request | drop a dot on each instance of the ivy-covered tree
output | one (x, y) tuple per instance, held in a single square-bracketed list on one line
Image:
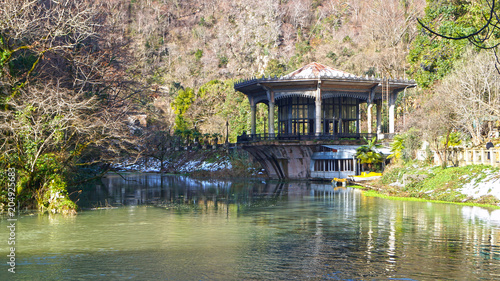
[(432, 57), (483, 30), (181, 104), (63, 97)]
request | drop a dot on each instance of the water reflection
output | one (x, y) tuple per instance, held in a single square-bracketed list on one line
[(317, 223), (254, 230), (140, 189)]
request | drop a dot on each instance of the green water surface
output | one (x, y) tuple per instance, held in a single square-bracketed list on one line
[(177, 228)]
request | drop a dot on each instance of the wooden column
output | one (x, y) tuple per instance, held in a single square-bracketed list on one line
[(371, 98), (358, 113)]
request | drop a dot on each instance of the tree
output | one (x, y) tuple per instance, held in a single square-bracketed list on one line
[(181, 104), (436, 119), (404, 146), (474, 90), (157, 145), (367, 153), (446, 28), (61, 103), (217, 102), (482, 32)]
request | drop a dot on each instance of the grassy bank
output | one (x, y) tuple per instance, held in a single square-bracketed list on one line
[(373, 193), (472, 185)]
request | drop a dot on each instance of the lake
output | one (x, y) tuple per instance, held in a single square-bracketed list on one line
[(179, 228)]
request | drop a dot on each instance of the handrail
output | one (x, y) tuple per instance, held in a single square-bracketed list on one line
[(482, 156), (245, 138)]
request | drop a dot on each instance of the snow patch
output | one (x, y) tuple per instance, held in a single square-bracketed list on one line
[(151, 165), (192, 166), (145, 165), (488, 186)]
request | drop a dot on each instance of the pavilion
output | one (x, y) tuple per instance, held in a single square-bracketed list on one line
[(317, 102)]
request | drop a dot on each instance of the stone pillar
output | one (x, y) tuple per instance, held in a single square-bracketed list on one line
[(379, 118), (369, 117), (467, 156), (392, 111), (318, 110), (252, 119), (270, 114), (271, 118)]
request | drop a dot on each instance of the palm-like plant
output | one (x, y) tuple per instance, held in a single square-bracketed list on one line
[(397, 147), (367, 153)]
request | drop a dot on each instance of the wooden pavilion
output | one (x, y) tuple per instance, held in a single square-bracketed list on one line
[(321, 102), (315, 102)]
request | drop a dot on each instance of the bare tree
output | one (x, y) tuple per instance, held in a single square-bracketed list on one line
[(435, 120), (64, 96), (474, 88)]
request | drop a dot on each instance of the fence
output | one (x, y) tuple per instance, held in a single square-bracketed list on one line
[(298, 137), (482, 156)]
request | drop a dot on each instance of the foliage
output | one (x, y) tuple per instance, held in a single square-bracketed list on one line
[(433, 57), (215, 104), (455, 139), (405, 145), (275, 68), (62, 106), (367, 153), (181, 104), (397, 147)]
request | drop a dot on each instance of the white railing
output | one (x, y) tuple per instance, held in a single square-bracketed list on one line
[(482, 156), (462, 157)]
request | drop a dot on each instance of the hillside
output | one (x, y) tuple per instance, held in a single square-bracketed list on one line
[(186, 45)]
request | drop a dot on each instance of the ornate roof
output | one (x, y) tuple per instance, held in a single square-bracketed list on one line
[(307, 79), (317, 70)]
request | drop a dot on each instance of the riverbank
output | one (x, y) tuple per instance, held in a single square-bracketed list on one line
[(220, 164), (470, 185)]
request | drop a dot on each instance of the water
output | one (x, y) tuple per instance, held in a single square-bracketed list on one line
[(215, 230)]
